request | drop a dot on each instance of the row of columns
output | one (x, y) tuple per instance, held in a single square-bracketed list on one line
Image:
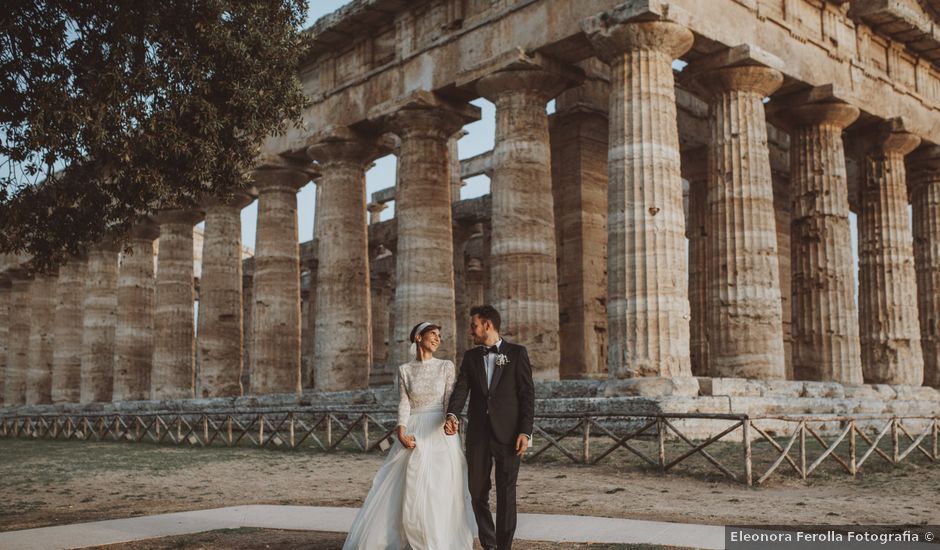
[(717, 312)]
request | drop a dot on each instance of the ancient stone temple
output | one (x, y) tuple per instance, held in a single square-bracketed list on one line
[(687, 200)]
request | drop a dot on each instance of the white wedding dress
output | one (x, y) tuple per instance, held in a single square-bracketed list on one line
[(419, 499)]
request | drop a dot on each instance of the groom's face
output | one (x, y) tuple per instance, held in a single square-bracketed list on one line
[(477, 330)]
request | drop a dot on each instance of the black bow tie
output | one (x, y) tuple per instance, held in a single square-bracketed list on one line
[(489, 350)]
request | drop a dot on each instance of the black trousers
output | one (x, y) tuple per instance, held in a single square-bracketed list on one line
[(482, 454)]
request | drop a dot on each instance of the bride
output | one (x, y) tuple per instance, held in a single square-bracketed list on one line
[(419, 499)]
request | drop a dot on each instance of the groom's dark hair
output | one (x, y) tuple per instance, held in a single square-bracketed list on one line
[(487, 312)]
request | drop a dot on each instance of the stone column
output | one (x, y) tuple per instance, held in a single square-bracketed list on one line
[(782, 216), (219, 345), (99, 321), (825, 319), (453, 153), (41, 340), (275, 316), (343, 346), (887, 298), (383, 295), (69, 314), (579, 144), (375, 211), (248, 270), (523, 257), (745, 314), (695, 171), (18, 356), (5, 291), (424, 255), (174, 346), (925, 199), (647, 302), (133, 346)]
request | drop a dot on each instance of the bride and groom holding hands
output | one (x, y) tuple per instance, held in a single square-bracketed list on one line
[(428, 495)]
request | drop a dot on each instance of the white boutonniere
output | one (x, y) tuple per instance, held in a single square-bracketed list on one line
[(501, 360)]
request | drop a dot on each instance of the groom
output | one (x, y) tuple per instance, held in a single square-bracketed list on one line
[(498, 378)]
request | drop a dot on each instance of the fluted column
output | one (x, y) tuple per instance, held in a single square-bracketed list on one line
[(424, 255), (275, 316), (523, 256), (99, 323), (220, 334), (888, 323), (174, 346), (343, 346), (18, 356), (744, 304), (825, 318), (375, 211), (133, 346), (383, 294), (695, 171), (925, 200), (41, 340), (6, 289), (647, 301), (69, 314), (579, 141), (453, 153)]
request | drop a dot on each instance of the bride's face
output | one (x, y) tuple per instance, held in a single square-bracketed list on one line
[(430, 340)]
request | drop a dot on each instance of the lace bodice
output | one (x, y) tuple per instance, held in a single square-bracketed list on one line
[(422, 384)]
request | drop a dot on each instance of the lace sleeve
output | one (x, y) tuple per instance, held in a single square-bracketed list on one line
[(450, 376), (404, 403)]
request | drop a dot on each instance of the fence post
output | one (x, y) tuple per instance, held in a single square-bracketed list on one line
[(748, 474), (661, 424), (586, 440), (291, 417), (802, 428), (365, 433), (260, 431), (329, 430), (894, 440), (853, 467), (935, 434)]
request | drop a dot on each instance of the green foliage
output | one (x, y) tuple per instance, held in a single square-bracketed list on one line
[(112, 109)]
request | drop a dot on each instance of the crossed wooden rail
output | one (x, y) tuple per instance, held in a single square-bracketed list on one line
[(598, 435)]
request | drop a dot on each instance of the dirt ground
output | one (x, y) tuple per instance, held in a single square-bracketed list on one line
[(264, 539), (56, 482)]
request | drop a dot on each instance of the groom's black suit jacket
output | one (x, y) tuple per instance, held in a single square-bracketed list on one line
[(505, 409)]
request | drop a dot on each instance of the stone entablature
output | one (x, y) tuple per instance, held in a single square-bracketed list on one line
[(409, 46)]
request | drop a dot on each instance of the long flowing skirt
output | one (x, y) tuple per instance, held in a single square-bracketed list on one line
[(419, 499)]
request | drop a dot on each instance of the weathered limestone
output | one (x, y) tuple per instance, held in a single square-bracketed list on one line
[(523, 256), (695, 171), (888, 324), (579, 185), (744, 307), (133, 345), (925, 202), (99, 323), (220, 334), (382, 287), (343, 345), (275, 315), (174, 346), (825, 321), (647, 301), (248, 303), (18, 357), (782, 207), (69, 328), (424, 266), (5, 291), (41, 340), (453, 154), (375, 211)]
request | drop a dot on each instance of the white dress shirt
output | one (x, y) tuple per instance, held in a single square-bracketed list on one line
[(489, 360)]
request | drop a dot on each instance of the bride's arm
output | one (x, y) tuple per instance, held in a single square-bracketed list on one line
[(449, 379), (404, 410)]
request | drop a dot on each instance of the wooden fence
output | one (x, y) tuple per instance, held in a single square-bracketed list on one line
[(803, 443)]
